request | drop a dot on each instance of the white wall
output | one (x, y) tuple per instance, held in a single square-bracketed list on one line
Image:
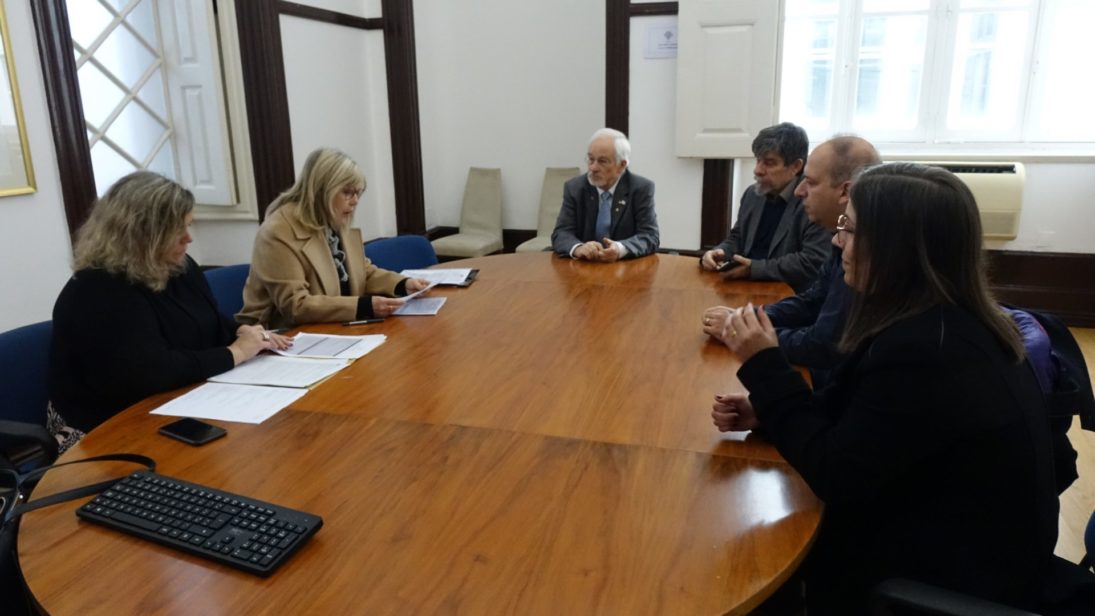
[(338, 97), (35, 255), (501, 86), (514, 85), (678, 181), (337, 90)]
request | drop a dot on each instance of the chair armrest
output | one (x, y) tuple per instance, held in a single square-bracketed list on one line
[(902, 597), (26, 445)]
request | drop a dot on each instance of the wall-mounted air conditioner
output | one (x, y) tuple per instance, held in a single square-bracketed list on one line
[(998, 188)]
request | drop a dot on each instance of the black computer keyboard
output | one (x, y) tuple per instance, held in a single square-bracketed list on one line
[(237, 531)]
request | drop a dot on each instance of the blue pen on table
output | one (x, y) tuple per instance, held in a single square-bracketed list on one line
[(364, 322)]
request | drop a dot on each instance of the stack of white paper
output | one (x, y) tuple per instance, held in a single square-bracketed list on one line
[(455, 276), (332, 346), (255, 390)]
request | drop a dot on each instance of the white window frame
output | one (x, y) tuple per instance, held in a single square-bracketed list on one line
[(206, 116), (931, 137), (246, 206)]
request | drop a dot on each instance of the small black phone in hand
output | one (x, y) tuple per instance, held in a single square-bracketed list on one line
[(192, 431)]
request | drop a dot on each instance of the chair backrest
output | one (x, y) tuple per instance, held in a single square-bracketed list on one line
[(551, 197), (227, 285), (24, 363), (482, 208), (401, 252), (1089, 543)]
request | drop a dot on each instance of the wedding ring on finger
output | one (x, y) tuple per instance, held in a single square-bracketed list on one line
[(265, 335)]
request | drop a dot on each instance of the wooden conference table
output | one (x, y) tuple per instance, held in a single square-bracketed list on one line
[(541, 446)]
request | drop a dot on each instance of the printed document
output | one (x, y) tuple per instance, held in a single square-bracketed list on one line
[(243, 403), (330, 346), (420, 306), (281, 371), (455, 276)]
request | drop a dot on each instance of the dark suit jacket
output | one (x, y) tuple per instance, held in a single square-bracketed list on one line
[(116, 342), (634, 223), (931, 450), (810, 324), (798, 247)]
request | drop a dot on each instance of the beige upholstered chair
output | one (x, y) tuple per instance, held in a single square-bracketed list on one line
[(480, 217), (551, 200)]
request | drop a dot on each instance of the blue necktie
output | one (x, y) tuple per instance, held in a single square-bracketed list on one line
[(604, 217)]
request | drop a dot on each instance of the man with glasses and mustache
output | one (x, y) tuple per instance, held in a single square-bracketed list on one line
[(809, 324), (608, 213), (772, 238)]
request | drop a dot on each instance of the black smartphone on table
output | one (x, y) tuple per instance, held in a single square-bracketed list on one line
[(192, 431)]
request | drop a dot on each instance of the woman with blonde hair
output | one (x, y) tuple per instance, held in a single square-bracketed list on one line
[(308, 264), (137, 317)]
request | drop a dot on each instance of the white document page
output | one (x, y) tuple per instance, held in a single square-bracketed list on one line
[(439, 276), (281, 371), (421, 291), (421, 306), (243, 403), (331, 346)]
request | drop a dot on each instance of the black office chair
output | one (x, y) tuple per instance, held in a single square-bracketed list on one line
[(401, 252), (25, 444), (1067, 589), (227, 286)]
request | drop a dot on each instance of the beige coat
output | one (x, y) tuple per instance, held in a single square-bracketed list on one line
[(293, 278)]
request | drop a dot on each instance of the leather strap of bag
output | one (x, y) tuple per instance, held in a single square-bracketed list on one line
[(20, 480)]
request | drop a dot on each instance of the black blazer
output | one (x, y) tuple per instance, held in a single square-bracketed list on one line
[(634, 223), (931, 451)]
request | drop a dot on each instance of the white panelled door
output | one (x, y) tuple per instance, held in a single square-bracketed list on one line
[(197, 101), (727, 74)]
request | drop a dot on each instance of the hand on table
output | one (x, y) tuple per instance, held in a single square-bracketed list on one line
[(740, 270), (747, 331), (714, 320), (608, 252), (253, 339), (733, 412), (385, 306), (712, 259)]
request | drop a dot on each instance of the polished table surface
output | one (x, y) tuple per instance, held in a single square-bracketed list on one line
[(541, 446)]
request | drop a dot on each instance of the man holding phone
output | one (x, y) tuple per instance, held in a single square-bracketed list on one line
[(772, 238)]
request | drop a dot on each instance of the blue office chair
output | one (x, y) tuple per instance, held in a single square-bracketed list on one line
[(24, 360), (24, 363), (227, 285), (401, 252)]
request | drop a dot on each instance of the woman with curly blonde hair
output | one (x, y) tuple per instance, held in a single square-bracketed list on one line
[(137, 317)]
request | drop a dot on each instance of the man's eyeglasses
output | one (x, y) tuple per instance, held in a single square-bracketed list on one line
[(842, 225), (350, 193), (602, 162)]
